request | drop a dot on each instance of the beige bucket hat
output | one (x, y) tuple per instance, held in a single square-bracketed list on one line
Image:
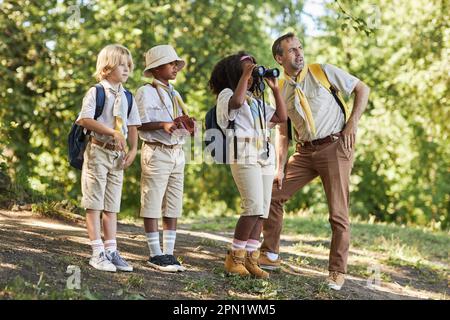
[(160, 55)]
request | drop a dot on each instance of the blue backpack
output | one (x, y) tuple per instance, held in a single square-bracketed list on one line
[(215, 138), (78, 138)]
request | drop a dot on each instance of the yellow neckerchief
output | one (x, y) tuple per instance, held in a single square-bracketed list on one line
[(301, 96), (175, 98), (117, 107)]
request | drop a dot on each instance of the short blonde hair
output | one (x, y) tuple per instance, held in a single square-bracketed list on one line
[(110, 57)]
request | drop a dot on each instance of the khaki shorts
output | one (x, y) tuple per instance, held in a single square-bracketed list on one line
[(254, 181), (101, 179), (162, 181)]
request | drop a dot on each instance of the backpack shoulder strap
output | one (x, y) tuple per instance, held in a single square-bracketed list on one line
[(319, 75), (99, 100), (129, 96), (317, 72)]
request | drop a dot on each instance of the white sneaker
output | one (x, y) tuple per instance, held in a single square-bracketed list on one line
[(102, 263), (118, 261)]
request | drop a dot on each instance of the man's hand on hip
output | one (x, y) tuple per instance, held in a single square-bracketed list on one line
[(349, 135)]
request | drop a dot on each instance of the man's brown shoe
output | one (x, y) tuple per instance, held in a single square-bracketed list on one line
[(267, 264), (336, 280)]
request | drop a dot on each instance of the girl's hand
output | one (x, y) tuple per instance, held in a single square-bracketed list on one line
[(247, 69), (272, 82)]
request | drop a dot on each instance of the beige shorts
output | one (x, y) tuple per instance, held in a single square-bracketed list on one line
[(162, 181), (101, 179), (254, 182)]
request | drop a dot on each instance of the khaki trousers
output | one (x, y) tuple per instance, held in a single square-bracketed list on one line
[(333, 164)]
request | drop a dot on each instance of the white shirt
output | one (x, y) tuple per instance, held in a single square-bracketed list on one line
[(152, 109), (243, 123), (243, 119), (328, 116), (107, 117)]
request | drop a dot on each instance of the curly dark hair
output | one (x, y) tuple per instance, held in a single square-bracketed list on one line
[(227, 72)]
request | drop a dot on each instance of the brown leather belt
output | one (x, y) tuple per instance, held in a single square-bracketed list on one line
[(108, 146), (331, 138), (159, 144), (250, 139)]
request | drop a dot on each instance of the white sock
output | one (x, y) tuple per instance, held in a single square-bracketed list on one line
[(169, 237), (238, 244), (110, 246), (153, 243), (97, 247), (272, 256), (252, 245)]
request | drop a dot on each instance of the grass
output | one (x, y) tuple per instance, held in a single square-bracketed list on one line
[(414, 257), (404, 243), (20, 289), (199, 286), (210, 243), (413, 253), (135, 281), (62, 210)]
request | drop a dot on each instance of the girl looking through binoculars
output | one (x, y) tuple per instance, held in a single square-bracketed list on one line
[(238, 82)]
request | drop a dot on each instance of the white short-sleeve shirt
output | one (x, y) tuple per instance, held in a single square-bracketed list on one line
[(328, 116), (152, 109), (243, 119), (244, 123), (107, 118)]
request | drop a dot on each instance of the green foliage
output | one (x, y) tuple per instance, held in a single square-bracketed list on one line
[(62, 210), (402, 166), (401, 174)]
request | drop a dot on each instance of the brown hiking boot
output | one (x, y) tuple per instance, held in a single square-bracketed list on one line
[(336, 280), (235, 262), (251, 263)]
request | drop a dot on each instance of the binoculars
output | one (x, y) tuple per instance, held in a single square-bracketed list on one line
[(260, 71)]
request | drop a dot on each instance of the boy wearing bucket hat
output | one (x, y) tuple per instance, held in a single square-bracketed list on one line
[(162, 156)]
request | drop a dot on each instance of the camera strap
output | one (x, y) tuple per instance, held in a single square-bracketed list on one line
[(266, 138)]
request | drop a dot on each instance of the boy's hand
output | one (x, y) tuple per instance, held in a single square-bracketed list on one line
[(120, 140), (129, 158), (169, 127)]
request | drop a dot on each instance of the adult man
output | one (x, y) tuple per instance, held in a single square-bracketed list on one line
[(325, 134)]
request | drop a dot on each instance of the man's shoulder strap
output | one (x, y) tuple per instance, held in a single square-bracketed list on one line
[(318, 73)]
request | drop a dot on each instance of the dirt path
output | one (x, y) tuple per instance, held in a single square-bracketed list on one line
[(32, 247)]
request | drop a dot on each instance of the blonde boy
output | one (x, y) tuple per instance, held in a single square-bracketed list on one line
[(107, 155), (162, 158)]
